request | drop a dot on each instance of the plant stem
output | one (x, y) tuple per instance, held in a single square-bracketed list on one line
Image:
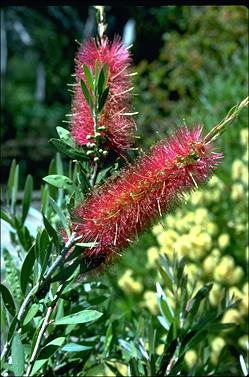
[(94, 174), (231, 115), (44, 327), (23, 309)]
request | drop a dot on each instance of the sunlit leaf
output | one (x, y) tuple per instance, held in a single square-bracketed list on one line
[(83, 316)]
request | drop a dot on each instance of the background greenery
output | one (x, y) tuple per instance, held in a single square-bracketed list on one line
[(192, 69)]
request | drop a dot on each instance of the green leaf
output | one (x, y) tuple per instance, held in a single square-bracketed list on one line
[(83, 316), (96, 74), (51, 231), (102, 79), (89, 76), (31, 314), (87, 244), (17, 354), (68, 150), (163, 304), (102, 99), (44, 198), (43, 246), (11, 179), (49, 349), (28, 189), (60, 214), (59, 164), (5, 216), (74, 347), (87, 95), (65, 136), (26, 269), (14, 188), (60, 181), (8, 299), (165, 273), (12, 327), (67, 272), (46, 352), (195, 302), (102, 174), (37, 365), (47, 254)]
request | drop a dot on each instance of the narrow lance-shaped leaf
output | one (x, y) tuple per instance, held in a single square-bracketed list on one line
[(83, 316), (11, 180), (26, 269), (51, 231), (14, 190), (17, 354), (87, 95), (67, 150), (102, 79), (31, 313), (8, 299), (28, 188), (103, 99), (60, 214), (89, 76), (60, 181), (59, 165), (65, 135)]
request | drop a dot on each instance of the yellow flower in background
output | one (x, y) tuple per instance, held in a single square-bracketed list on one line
[(237, 169), (223, 240), (182, 245), (190, 217), (192, 270), (216, 346), (237, 192), (244, 342), (224, 269), (216, 294), (159, 349), (234, 291), (157, 229), (212, 228), (215, 253), (215, 181), (128, 284), (209, 265), (203, 240), (244, 137), (236, 275), (196, 198), (244, 305), (245, 288), (201, 216), (170, 221), (232, 316), (190, 358), (153, 256), (150, 301)]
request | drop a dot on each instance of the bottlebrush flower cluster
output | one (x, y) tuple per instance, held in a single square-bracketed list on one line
[(115, 213), (116, 116)]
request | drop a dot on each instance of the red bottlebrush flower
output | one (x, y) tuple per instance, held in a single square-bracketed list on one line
[(128, 204), (119, 124)]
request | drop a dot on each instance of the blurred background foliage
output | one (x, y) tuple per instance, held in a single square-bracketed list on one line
[(192, 65)]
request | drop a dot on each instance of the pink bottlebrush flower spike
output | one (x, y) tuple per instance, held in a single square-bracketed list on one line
[(117, 115), (115, 213)]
